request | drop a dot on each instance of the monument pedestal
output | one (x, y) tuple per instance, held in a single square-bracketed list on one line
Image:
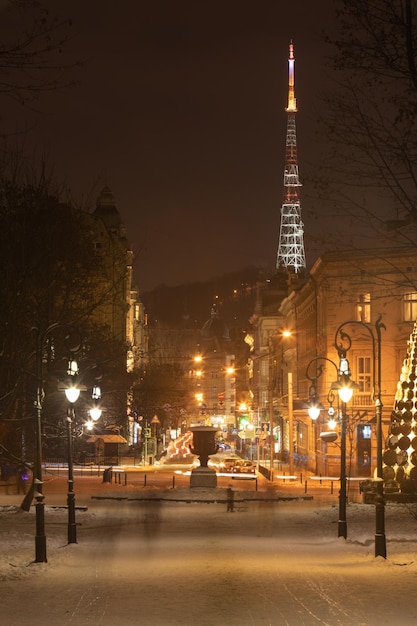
[(203, 445), (203, 477)]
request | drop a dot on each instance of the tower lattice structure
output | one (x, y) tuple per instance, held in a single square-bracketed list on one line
[(291, 256)]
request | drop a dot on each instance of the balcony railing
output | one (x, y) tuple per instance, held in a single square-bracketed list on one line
[(362, 399)]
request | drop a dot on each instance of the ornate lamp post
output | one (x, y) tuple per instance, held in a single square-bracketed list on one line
[(72, 393), (313, 404), (42, 339), (344, 387), (40, 538), (380, 539)]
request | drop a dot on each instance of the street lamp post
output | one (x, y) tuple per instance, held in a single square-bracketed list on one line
[(72, 393), (314, 405), (154, 425), (380, 539), (282, 335), (344, 387), (40, 537), (342, 523), (42, 339)]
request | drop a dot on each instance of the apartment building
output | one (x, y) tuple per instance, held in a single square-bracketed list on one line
[(339, 302)]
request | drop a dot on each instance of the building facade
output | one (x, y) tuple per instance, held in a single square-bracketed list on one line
[(120, 309), (348, 292)]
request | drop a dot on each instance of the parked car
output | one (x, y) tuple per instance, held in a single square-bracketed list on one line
[(228, 463), (244, 467)]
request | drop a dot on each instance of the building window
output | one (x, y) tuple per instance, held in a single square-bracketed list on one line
[(364, 374), (363, 308), (264, 368), (410, 307)]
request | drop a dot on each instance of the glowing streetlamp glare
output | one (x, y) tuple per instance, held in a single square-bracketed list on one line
[(332, 424), (345, 393), (72, 394), (314, 412), (95, 413)]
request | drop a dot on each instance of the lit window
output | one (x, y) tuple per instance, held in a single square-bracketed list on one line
[(410, 307), (364, 374), (363, 308)]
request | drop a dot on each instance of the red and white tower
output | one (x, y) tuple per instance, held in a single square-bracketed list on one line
[(291, 257)]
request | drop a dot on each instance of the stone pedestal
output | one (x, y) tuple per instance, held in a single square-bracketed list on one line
[(203, 446), (203, 477)]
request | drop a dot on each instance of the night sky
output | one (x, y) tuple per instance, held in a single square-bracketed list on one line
[(180, 110)]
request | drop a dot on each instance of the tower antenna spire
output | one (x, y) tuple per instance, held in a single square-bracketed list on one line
[(291, 256)]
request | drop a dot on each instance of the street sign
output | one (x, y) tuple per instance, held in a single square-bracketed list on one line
[(147, 432)]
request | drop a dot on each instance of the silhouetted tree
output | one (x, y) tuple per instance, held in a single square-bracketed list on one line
[(32, 42), (369, 121), (51, 275)]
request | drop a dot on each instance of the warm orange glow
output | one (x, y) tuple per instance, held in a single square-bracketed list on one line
[(230, 370), (286, 333), (198, 358)]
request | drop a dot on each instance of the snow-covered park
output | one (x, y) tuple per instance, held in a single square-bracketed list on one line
[(164, 562)]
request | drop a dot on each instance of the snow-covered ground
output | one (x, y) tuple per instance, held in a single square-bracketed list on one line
[(168, 563)]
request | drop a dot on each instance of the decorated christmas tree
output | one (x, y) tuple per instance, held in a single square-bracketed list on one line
[(400, 455)]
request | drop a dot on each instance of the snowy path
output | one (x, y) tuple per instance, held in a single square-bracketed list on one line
[(163, 564)]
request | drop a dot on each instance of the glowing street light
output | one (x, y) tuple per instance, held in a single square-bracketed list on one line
[(380, 539), (95, 411), (72, 393), (344, 387), (43, 339)]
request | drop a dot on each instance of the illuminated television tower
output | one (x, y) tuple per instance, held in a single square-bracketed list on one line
[(291, 257)]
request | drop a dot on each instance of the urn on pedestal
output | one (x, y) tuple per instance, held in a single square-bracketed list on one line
[(203, 446)]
